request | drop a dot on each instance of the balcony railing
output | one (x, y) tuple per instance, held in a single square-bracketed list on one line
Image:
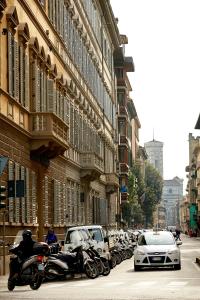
[(112, 183), (91, 165), (123, 140), (123, 168), (49, 135), (123, 111)]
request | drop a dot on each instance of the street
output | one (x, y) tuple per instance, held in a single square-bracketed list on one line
[(124, 283)]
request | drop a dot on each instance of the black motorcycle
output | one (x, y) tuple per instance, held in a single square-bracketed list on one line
[(101, 262), (59, 265), (31, 270)]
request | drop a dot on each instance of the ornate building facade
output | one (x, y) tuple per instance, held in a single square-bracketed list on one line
[(58, 114)]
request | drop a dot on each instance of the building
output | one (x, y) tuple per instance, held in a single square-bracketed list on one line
[(154, 151), (126, 113), (172, 197), (193, 184), (58, 114)]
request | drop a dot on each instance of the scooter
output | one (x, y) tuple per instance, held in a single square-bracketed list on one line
[(31, 269), (59, 265), (102, 263)]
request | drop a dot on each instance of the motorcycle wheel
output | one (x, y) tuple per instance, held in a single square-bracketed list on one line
[(48, 275), (129, 253), (91, 270), (106, 268), (113, 260), (118, 258), (37, 281), (11, 285)]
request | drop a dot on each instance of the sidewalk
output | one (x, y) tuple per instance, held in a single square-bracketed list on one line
[(3, 282)]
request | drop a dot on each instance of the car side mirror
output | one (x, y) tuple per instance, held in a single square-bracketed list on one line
[(178, 243)]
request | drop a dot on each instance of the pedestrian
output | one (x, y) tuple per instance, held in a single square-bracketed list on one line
[(51, 237), (178, 232)]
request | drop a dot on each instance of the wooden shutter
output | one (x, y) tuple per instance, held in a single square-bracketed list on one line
[(28, 204), (33, 196), (22, 199), (46, 203), (16, 71), (17, 200), (21, 74), (11, 199), (27, 87), (10, 63), (51, 96), (55, 202)]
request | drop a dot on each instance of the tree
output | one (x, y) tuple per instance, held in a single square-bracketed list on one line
[(132, 211), (153, 192)]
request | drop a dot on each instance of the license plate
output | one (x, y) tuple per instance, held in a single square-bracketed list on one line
[(156, 258), (40, 267)]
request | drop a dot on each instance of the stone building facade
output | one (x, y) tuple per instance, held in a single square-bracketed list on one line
[(58, 114)]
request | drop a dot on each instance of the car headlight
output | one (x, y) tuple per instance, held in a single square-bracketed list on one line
[(173, 252), (99, 250), (140, 252)]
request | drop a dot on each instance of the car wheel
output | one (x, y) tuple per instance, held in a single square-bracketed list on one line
[(177, 267), (137, 268)]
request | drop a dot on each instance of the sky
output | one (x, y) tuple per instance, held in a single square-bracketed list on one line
[(164, 41)]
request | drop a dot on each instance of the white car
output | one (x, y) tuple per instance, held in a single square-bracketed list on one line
[(157, 249)]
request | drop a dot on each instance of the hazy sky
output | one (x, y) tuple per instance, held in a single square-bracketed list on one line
[(164, 41)]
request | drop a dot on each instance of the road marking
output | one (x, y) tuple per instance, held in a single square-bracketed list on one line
[(111, 284), (144, 284), (55, 285), (177, 283)]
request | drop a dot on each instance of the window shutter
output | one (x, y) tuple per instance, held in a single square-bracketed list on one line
[(28, 204), (55, 202), (22, 199), (10, 64), (57, 102), (45, 92), (34, 85), (64, 204), (11, 199), (41, 86), (17, 200), (33, 196), (16, 71), (50, 95), (38, 89), (27, 95), (21, 74), (46, 204)]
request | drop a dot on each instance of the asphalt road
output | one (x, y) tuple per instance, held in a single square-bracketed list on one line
[(124, 283)]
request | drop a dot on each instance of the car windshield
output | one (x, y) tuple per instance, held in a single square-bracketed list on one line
[(156, 239), (96, 234)]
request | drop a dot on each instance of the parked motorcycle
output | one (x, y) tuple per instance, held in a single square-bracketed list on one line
[(102, 263), (59, 265), (31, 269)]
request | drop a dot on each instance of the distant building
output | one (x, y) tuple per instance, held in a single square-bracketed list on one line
[(172, 196), (154, 151)]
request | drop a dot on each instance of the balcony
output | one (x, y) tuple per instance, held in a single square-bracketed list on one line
[(48, 136), (123, 140), (112, 183), (91, 166), (123, 169), (123, 112), (124, 197)]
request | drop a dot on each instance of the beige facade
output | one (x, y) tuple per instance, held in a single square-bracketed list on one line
[(58, 114)]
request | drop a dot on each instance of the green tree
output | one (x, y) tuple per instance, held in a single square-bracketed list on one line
[(153, 192), (132, 211)]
